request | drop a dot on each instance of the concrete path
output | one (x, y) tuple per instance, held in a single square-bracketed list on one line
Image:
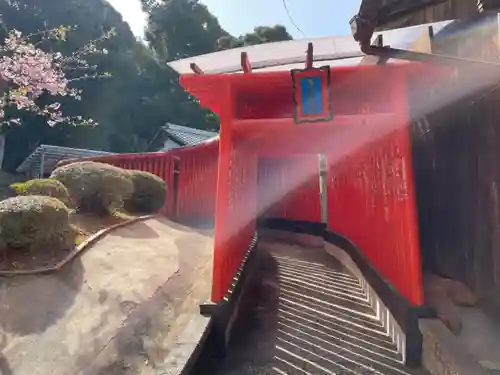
[(312, 318), (114, 310)]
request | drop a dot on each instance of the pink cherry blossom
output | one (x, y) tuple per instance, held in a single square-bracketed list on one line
[(28, 72)]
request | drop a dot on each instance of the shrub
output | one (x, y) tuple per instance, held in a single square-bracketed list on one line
[(149, 193), (96, 188), (47, 187), (35, 223)]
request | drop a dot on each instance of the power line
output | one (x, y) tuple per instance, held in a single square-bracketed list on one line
[(285, 5)]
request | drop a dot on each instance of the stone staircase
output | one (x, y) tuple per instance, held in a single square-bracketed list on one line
[(312, 317)]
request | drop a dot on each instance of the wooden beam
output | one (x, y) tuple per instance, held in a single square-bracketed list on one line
[(395, 10), (423, 43), (309, 55), (374, 60), (195, 68), (245, 63)]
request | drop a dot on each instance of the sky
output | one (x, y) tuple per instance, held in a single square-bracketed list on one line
[(314, 18), (132, 13)]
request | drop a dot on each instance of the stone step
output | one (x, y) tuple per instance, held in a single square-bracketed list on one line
[(360, 320), (339, 332), (312, 317), (330, 349)]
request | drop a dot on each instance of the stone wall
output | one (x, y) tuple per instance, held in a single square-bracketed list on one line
[(442, 353)]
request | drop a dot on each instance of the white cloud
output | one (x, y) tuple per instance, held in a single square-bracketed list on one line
[(132, 14)]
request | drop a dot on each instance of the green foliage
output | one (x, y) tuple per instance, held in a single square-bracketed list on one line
[(130, 106), (149, 193), (96, 188), (182, 28), (35, 223), (260, 35), (143, 92), (45, 186)]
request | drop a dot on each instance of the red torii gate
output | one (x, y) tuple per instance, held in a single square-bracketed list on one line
[(358, 117)]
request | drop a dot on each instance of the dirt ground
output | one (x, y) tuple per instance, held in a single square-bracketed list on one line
[(116, 310)]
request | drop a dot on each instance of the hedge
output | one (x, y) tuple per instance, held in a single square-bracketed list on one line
[(95, 187), (149, 195), (46, 186), (35, 223)]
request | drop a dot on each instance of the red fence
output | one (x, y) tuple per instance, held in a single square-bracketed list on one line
[(190, 174)]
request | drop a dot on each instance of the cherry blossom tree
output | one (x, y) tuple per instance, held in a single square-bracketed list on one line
[(27, 72)]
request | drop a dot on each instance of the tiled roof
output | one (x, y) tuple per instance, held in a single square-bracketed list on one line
[(53, 155), (188, 136)]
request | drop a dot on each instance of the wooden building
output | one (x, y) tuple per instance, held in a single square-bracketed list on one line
[(416, 12)]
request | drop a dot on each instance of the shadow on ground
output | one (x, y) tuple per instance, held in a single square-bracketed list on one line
[(128, 346), (4, 366), (114, 311), (31, 304), (144, 338), (138, 230), (203, 227)]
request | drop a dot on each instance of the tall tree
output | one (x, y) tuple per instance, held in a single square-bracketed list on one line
[(130, 106), (33, 74), (181, 28), (260, 35), (143, 92), (184, 28)]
